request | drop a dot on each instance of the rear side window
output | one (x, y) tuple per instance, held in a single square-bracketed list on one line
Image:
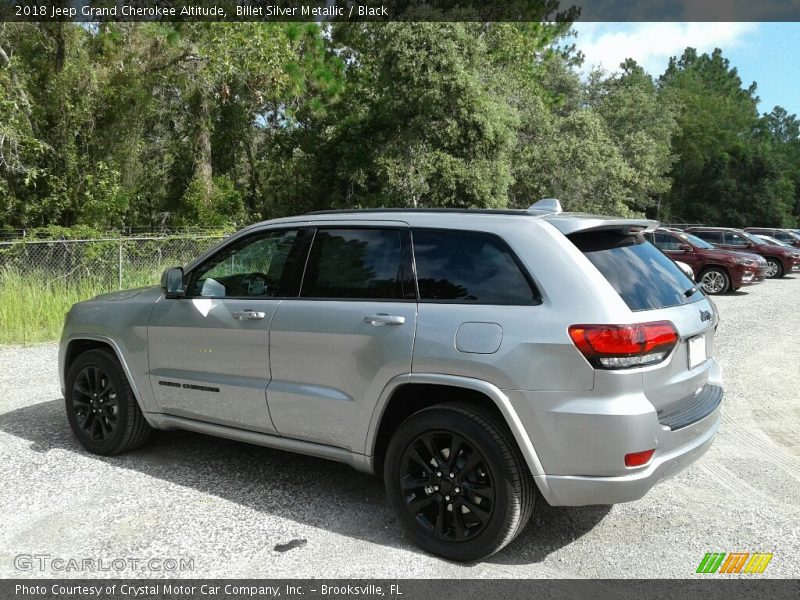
[(357, 264), (469, 267), (643, 276)]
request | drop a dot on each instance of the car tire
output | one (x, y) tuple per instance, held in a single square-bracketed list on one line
[(466, 508), (101, 407), (774, 268), (715, 281)]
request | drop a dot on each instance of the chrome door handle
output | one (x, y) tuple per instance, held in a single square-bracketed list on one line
[(383, 319), (249, 315)]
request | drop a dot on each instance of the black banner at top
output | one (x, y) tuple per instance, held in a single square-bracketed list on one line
[(399, 10)]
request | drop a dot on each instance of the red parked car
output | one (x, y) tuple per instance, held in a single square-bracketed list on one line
[(782, 235), (716, 270), (780, 260)]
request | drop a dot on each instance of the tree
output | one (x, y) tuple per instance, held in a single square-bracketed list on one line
[(724, 173)]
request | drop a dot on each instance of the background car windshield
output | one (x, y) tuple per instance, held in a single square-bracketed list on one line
[(754, 238), (643, 276), (695, 241), (773, 241)]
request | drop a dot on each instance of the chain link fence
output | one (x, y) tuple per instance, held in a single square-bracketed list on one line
[(100, 264)]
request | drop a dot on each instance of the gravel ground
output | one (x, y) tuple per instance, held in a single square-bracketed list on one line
[(245, 511)]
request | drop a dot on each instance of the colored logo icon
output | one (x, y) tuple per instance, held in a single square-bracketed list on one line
[(734, 562)]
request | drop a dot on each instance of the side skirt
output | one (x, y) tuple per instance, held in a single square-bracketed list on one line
[(359, 462)]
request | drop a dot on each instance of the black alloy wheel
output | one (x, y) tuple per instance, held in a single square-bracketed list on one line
[(457, 480), (94, 400), (447, 486), (101, 407)]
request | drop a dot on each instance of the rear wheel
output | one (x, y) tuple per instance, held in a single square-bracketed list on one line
[(715, 281), (101, 408), (774, 268), (457, 482)]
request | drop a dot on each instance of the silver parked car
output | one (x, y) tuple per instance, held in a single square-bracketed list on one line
[(471, 357)]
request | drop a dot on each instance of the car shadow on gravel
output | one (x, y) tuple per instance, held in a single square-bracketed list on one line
[(304, 489)]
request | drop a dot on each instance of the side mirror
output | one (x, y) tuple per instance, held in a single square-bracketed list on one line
[(685, 247), (172, 282)]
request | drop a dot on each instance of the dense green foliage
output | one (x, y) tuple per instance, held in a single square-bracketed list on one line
[(148, 124)]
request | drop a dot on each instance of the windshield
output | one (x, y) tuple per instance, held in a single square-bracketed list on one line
[(773, 241), (754, 238), (695, 241)]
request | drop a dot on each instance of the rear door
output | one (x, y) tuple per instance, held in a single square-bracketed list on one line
[(333, 349)]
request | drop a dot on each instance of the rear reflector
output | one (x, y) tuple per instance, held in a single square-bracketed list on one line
[(638, 459), (624, 346)]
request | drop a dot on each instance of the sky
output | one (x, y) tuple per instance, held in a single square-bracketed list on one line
[(766, 53)]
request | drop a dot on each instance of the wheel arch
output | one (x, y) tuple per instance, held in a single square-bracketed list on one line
[(407, 394), (781, 264), (720, 266), (79, 344)]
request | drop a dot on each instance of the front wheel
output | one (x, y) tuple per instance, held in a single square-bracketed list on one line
[(457, 482), (715, 281), (101, 408), (774, 268)]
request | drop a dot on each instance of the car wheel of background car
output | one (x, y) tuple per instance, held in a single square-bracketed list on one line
[(715, 281), (457, 482), (101, 408), (774, 268)]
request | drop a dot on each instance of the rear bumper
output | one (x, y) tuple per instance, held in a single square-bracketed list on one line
[(569, 490), (581, 439)]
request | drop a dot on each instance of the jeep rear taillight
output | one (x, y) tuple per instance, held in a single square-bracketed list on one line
[(625, 346)]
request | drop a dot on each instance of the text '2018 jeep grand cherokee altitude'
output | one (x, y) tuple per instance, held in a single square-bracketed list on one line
[(468, 356)]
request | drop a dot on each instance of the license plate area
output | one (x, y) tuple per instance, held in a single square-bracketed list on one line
[(696, 350)]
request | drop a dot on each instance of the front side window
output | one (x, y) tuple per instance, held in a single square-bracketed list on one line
[(734, 239), (358, 264), (665, 241), (255, 267), (469, 267)]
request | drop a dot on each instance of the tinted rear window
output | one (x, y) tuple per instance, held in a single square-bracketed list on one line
[(641, 274), (467, 266)]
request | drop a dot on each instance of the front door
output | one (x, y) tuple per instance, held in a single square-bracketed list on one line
[(209, 351), (333, 349)]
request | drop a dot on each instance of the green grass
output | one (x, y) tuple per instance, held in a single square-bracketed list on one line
[(33, 305)]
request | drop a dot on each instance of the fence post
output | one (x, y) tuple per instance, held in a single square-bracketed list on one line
[(119, 287)]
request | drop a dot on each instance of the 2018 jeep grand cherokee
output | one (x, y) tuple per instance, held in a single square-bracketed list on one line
[(468, 356)]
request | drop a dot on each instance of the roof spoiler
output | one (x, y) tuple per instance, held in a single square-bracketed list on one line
[(546, 206)]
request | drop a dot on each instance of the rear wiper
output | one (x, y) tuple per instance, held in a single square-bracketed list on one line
[(690, 291)]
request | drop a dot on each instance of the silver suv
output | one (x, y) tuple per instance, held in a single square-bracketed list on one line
[(470, 357)]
